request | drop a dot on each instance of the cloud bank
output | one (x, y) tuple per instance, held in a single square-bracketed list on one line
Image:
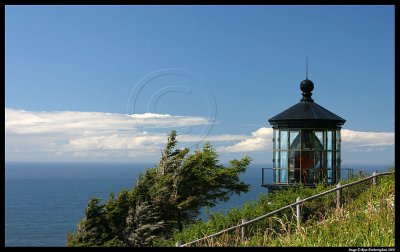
[(261, 140), (72, 134), (38, 134)]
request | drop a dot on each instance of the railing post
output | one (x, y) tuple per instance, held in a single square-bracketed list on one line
[(374, 182), (298, 213), (339, 196), (178, 243), (243, 229)]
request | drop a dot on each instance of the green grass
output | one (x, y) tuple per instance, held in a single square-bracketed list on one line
[(366, 219)]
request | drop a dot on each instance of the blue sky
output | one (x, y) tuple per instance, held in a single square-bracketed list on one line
[(215, 73)]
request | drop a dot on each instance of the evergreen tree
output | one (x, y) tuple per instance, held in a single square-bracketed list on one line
[(116, 211), (165, 198), (92, 230), (183, 183), (142, 225)]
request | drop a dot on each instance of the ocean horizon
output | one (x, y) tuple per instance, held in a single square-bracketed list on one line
[(44, 201)]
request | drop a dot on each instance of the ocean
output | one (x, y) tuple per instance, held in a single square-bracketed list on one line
[(45, 201)]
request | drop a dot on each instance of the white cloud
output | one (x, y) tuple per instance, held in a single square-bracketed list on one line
[(366, 141), (259, 140), (29, 122)]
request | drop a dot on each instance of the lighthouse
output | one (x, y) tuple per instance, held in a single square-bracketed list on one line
[(306, 143)]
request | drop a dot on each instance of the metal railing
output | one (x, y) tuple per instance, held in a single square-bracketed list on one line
[(298, 202)]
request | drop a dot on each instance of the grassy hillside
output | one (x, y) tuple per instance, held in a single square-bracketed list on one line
[(366, 219)]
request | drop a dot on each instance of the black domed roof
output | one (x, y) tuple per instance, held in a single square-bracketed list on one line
[(306, 113)]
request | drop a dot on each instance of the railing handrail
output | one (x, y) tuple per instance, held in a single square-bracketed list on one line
[(288, 206)]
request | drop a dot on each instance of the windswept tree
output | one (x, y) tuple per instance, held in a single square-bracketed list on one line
[(184, 183), (120, 222), (92, 230), (142, 225), (167, 197)]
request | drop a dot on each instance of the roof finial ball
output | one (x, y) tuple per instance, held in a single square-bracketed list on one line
[(307, 86)]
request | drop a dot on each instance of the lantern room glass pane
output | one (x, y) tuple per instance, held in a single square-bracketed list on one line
[(276, 175), (329, 166), (284, 140), (284, 164), (307, 139), (329, 140), (284, 159), (294, 166), (337, 165), (276, 159), (276, 138), (338, 139), (320, 136), (306, 163), (318, 168), (338, 172), (329, 159), (292, 136), (292, 159), (317, 159)]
